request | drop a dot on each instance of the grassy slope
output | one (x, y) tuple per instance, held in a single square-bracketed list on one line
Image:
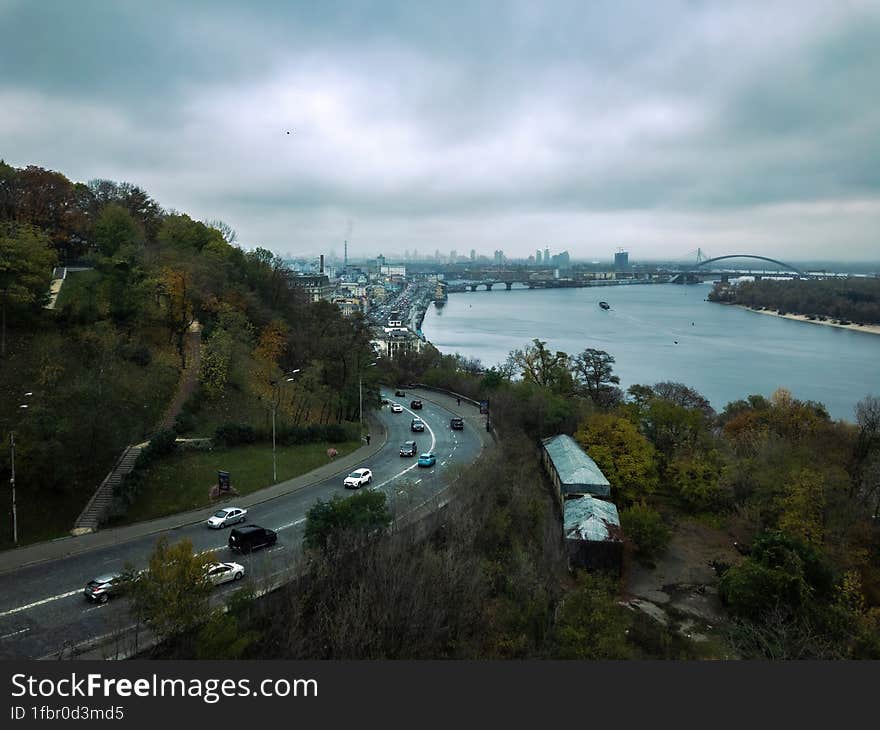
[(182, 482)]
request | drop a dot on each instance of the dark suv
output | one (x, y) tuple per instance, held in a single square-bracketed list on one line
[(416, 405), (417, 424), (399, 394), (409, 448), (251, 537), (456, 424)]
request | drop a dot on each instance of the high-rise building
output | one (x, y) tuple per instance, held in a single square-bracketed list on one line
[(547, 255), (473, 255), (453, 256), (621, 260), (538, 256)]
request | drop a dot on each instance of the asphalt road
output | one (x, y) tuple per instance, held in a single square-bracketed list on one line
[(43, 612)]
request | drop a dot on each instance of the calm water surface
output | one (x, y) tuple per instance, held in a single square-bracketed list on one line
[(724, 352)]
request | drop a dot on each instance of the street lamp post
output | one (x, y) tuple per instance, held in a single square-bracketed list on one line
[(361, 395), (12, 483), (276, 397), (12, 478)]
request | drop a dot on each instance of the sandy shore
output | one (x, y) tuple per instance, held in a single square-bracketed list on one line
[(873, 329)]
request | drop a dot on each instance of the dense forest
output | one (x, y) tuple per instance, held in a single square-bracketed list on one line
[(98, 371), (854, 299)]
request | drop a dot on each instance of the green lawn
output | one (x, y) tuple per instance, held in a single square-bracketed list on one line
[(78, 289), (182, 481)]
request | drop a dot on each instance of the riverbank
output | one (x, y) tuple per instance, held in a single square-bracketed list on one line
[(873, 329)]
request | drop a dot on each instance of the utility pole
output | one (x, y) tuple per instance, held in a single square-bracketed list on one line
[(276, 396), (12, 483)]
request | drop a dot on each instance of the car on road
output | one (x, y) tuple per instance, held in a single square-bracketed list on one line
[(417, 424), (399, 394), (396, 408), (251, 537), (427, 459), (218, 573), (105, 587), (409, 448), (357, 479), (226, 517), (456, 424), (416, 405)]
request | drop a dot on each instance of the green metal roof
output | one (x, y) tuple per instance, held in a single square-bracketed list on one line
[(577, 471), (588, 518)]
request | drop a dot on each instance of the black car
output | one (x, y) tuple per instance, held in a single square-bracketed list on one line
[(409, 448), (251, 537), (456, 424), (105, 587), (416, 405), (417, 424), (399, 394)]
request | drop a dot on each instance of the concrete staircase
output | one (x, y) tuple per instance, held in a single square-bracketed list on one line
[(90, 518)]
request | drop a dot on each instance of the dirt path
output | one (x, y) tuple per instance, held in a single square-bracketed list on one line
[(684, 583), (188, 378)]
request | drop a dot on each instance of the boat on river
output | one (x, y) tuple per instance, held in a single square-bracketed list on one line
[(605, 305)]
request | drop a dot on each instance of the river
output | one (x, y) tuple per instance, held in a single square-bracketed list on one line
[(724, 352)]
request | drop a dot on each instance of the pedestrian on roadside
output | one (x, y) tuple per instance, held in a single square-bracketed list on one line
[(458, 401), (368, 439)]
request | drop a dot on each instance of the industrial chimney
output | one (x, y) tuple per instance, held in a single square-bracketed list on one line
[(322, 263)]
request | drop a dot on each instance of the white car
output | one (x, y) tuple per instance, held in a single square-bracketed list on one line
[(396, 408), (358, 478), (218, 573), (226, 517)]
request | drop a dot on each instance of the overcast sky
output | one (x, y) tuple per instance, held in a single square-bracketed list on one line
[(656, 126)]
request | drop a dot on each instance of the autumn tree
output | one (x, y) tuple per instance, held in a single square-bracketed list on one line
[(172, 594), (26, 263), (176, 290), (625, 456)]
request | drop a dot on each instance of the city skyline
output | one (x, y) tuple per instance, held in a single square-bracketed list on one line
[(658, 128)]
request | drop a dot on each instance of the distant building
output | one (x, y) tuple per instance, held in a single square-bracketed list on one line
[(395, 320), (315, 286), (350, 305), (473, 255), (499, 258), (621, 260), (547, 255), (538, 256), (391, 342)]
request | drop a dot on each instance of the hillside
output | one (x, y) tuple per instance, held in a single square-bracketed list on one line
[(103, 364)]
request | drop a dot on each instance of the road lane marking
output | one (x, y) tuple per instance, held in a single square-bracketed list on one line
[(67, 594), (40, 603), (291, 524), (410, 468), (94, 608), (14, 633)]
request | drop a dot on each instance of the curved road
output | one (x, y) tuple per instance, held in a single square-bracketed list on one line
[(43, 613)]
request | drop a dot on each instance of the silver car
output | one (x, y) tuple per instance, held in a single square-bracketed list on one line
[(218, 573), (226, 517)]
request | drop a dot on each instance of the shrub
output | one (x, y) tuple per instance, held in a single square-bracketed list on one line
[(233, 434), (647, 530)]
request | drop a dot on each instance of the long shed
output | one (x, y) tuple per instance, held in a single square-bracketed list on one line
[(593, 536), (572, 470)]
